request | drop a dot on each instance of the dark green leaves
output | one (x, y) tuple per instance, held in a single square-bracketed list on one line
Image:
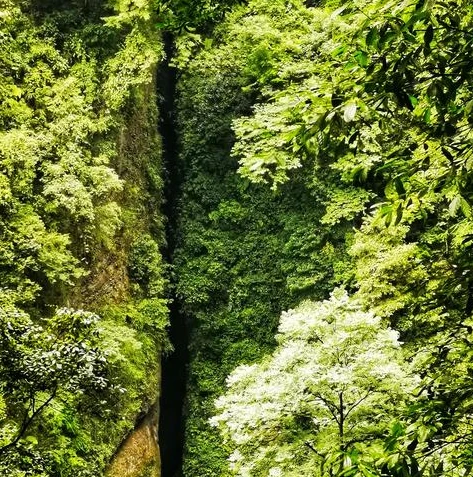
[(428, 37), (372, 38), (176, 15)]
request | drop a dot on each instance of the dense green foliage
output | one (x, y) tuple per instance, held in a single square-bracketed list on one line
[(245, 252), (326, 145), (80, 190), (180, 15), (323, 147)]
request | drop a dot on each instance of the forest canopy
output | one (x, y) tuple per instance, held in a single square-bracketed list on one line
[(350, 125), (81, 331)]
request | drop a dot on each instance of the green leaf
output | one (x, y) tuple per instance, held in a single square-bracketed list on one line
[(372, 37), (414, 101), (339, 50), (469, 107), (454, 205), (387, 38), (31, 440), (429, 35), (427, 115), (361, 58), (349, 112), (338, 11), (465, 207), (399, 212), (398, 184), (16, 91)]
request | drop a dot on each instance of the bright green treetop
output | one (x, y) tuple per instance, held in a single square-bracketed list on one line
[(330, 388)]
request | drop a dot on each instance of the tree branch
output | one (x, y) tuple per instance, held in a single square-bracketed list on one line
[(27, 420), (330, 406), (313, 449), (357, 403)]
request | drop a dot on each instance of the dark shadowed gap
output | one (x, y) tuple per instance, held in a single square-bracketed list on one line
[(174, 375)]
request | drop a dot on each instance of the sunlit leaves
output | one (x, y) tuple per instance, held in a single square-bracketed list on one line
[(271, 158), (71, 78), (345, 204), (349, 112), (332, 382), (40, 364)]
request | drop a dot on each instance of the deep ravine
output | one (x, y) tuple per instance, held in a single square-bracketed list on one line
[(174, 375)]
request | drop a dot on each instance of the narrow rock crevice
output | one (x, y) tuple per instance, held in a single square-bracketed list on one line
[(174, 375)]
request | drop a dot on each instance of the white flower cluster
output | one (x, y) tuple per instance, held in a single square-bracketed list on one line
[(335, 363)]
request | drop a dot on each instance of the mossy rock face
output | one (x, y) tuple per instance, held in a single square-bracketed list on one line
[(151, 470), (139, 455)]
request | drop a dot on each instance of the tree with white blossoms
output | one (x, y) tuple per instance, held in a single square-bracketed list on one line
[(328, 393)]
